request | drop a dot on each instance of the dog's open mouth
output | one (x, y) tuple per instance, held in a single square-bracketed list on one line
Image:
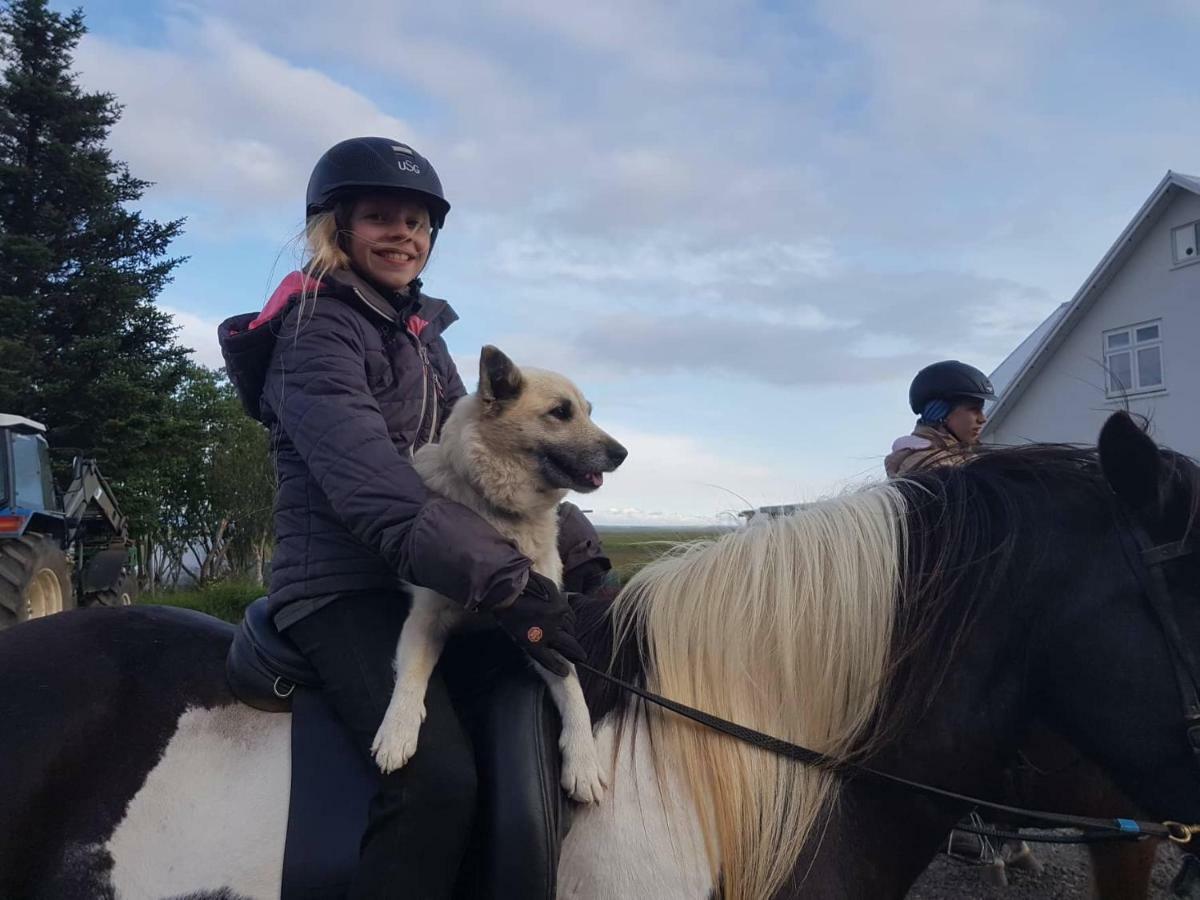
[(564, 472)]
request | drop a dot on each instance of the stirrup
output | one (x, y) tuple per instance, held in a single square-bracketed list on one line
[(969, 847)]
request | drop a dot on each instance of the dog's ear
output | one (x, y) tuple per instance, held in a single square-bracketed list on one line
[(499, 378)]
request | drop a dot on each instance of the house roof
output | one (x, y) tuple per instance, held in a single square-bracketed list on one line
[(1024, 363), (1003, 375)]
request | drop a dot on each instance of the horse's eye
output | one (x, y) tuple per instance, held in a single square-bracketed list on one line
[(563, 411)]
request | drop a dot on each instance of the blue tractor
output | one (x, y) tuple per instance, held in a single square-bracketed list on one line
[(58, 550)]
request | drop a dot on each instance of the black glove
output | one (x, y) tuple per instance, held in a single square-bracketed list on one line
[(543, 625)]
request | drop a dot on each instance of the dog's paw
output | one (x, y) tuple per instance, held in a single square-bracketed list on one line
[(396, 740), (582, 774)]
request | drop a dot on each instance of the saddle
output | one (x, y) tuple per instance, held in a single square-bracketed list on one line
[(520, 821)]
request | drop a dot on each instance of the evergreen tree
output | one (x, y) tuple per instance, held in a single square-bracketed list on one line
[(82, 346)]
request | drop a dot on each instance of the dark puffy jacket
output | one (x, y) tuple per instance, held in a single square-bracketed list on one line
[(352, 385), (584, 563)]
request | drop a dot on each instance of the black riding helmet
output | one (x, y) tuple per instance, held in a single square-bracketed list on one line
[(375, 163), (948, 380)]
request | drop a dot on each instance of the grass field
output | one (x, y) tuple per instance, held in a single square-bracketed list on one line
[(631, 548), (628, 548), (223, 599)]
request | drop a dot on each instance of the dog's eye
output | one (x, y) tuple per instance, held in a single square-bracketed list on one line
[(562, 412)]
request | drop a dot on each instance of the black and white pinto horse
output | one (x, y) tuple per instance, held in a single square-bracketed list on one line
[(921, 627)]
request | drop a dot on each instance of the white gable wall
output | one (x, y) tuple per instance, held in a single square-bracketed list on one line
[(1066, 399)]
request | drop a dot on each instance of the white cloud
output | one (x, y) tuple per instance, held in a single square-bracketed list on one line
[(239, 125), (872, 344), (677, 261), (854, 327), (220, 124), (198, 334), (945, 72), (654, 40), (687, 195), (675, 478)]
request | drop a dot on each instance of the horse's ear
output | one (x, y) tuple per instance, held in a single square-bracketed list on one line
[(1131, 462), (499, 378)]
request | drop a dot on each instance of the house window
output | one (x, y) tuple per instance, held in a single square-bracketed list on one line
[(1185, 242), (1133, 359)]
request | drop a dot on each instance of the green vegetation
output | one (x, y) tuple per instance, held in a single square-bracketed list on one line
[(83, 347), (628, 548), (631, 548), (224, 599)]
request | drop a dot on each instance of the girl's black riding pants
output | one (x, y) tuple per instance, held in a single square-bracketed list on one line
[(420, 819)]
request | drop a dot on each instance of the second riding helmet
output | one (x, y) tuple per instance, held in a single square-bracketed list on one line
[(948, 380), (375, 163)]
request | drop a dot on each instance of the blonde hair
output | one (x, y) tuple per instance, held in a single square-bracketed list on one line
[(323, 250), (784, 626)]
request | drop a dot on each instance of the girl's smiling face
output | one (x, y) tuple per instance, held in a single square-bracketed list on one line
[(389, 239)]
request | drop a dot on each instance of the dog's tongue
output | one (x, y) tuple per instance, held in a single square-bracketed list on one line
[(596, 478)]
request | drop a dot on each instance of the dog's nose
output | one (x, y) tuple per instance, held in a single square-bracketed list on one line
[(616, 453)]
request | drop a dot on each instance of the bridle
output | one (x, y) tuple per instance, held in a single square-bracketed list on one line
[(1146, 560), (1139, 548)]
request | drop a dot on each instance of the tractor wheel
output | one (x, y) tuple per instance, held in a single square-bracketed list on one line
[(35, 580), (124, 594)]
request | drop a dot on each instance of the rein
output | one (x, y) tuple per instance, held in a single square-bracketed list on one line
[(1093, 830)]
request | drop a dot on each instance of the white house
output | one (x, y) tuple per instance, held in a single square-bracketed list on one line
[(1130, 338)]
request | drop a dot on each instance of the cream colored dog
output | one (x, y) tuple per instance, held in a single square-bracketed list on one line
[(511, 452)]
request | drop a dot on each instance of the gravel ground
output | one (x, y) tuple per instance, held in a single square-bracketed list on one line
[(1066, 876)]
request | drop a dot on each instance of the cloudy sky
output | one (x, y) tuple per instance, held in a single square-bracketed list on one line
[(740, 226)]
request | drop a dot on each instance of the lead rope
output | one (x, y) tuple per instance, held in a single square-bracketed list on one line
[(1094, 830)]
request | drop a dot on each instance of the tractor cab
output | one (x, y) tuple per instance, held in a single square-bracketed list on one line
[(57, 551), (26, 485)]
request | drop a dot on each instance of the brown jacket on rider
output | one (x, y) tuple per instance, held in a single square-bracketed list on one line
[(926, 447)]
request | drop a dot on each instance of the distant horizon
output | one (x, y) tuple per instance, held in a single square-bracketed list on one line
[(671, 528)]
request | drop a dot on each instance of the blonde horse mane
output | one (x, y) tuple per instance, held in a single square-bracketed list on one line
[(784, 626)]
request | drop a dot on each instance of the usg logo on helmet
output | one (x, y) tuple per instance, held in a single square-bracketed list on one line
[(406, 165)]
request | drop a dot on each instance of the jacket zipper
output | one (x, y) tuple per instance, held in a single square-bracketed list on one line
[(427, 371)]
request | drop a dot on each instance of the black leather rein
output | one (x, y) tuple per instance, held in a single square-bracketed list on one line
[(1154, 586)]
